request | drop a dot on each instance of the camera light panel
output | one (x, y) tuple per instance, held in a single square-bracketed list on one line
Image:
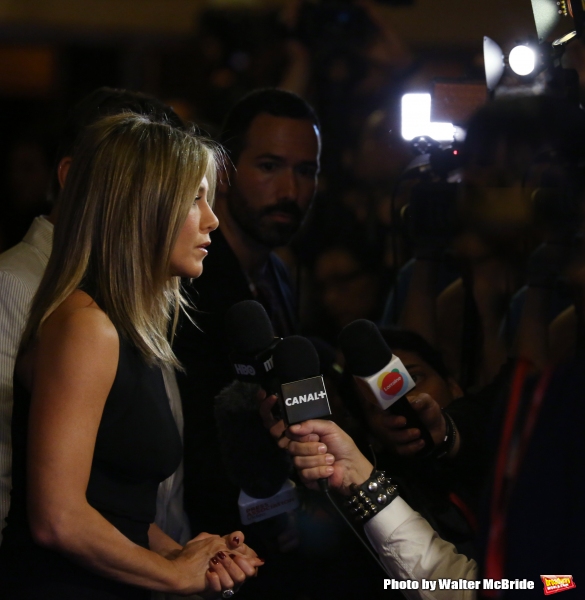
[(416, 120)]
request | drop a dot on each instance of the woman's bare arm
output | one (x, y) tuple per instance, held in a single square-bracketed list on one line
[(73, 369)]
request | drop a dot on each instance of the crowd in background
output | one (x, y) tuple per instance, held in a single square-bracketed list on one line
[(349, 65), (354, 81)]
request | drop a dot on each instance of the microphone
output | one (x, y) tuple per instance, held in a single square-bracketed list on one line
[(253, 461), (303, 395), (252, 339), (370, 360)]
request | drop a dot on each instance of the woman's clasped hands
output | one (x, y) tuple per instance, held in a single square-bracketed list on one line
[(209, 564)]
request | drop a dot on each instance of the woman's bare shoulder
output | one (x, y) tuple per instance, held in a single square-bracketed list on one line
[(79, 313), (77, 336), (80, 328)]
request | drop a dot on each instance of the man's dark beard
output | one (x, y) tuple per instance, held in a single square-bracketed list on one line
[(290, 208), (260, 227)]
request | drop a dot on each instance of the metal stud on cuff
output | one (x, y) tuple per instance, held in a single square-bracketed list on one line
[(371, 497)]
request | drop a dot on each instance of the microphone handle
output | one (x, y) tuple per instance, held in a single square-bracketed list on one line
[(403, 408)]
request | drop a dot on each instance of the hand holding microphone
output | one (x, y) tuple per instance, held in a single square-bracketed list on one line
[(334, 459), (408, 441), (383, 380), (334, 456)]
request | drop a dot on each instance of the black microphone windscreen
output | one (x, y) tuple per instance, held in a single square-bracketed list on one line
[(364, 348), (248, 327), (253, 461), (295, 358)]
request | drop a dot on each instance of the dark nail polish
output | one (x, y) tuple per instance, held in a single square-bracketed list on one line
[(260, 559), (236, 539), (232, 556), (221, 555), (214, 560)]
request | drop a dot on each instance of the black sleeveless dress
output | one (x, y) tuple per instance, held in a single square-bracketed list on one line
[(137, 446)]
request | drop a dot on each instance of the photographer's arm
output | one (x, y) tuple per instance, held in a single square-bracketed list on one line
[(407, 545)]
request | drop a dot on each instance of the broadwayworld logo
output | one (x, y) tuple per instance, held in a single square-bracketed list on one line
[(553, 584)]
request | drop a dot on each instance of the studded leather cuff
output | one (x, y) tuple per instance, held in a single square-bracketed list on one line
[(369, 498)]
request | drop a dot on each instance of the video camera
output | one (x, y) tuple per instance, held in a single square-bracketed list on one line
[(433, 123)]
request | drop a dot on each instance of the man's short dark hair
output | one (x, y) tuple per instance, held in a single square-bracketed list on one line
[(270, 101), (103, 102)]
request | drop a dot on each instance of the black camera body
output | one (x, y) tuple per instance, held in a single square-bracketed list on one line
[(432, 213)]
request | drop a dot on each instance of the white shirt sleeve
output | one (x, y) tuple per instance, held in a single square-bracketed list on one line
[(410, 549), (14, 304)]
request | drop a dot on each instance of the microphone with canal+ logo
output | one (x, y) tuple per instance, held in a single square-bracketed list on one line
[(251, 336), (303, 394), (370, 360)]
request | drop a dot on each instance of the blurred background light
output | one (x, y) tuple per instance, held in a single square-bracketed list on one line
[(416, 120), (522, 60), (493, 58)]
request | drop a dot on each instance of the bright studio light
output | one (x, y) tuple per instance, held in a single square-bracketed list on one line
[(522, 60), (416, 120), (493, 59)]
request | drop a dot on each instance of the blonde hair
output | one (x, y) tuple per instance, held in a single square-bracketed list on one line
[(129, 189)]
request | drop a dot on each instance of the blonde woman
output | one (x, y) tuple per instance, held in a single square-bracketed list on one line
[(93, 434)]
